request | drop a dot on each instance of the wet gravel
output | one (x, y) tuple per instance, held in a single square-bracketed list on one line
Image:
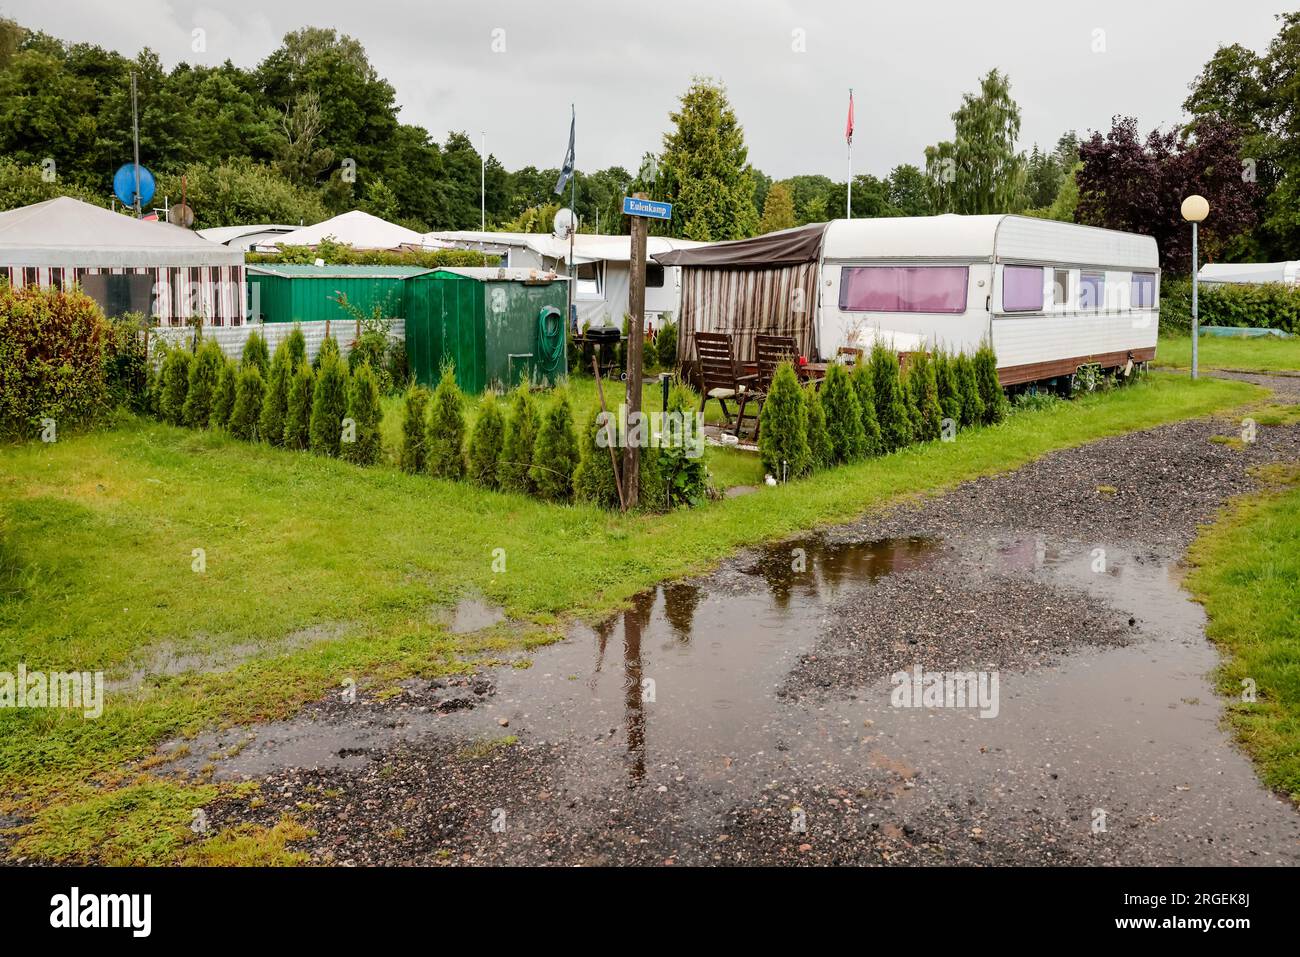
[(976, 592)]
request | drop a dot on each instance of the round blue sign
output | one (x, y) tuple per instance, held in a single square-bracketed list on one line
[(124, 184)]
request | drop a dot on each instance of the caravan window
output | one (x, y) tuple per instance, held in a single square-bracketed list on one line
[(587, 281), (1060, 287), (1144, 290), (1092, 291), (1022, 288), (903, 288), (654, 276)]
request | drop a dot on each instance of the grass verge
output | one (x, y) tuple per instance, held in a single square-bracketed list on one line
[(1264, 354), (1247, 575)]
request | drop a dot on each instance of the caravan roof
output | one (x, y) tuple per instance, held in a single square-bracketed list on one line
[(1285, 272), (1008, 238), (1004, 237)]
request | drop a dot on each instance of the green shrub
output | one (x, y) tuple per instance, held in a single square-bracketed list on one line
[(329, 404), (372, 349), (783, 427), (986, 377), (1257, 305), (223, 397), (399, 365), (520, 440), (175, 384), (891, 406), (555, 455), (821, 453), (594, 480), (297, 413), (249, 392), (945, 374), (843, 415), (865, 389), (923, 398), (295, 344), (364, 411), (485, 443), (445, 439), (328, 347), (972, 406), (666, 346), (51, 360), (415, 408), (675, 474), (126, 366), (204, 378), (276, 404), (255, 353)]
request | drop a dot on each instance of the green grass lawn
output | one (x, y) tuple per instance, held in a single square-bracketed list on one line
[(1264, 354), (1247, 574), (334, 571)]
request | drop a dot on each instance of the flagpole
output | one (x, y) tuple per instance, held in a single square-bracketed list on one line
[(848, 200), (573, 209)]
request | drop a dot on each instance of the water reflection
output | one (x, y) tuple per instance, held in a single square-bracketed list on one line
[(747, 636)]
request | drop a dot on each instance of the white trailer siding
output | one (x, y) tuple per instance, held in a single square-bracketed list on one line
[(1091, 309)]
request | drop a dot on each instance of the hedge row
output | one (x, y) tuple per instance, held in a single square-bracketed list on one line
[(874, 408), (281, 400), (533, 447), (1258, 305)]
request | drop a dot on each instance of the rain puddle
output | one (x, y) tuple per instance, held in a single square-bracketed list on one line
[(681, 692)]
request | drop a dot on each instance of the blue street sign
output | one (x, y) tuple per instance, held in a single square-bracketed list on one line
[(649, 208)]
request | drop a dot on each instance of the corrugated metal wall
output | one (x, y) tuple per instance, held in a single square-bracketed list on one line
[(312, 299), (743, 302), (488, 329)]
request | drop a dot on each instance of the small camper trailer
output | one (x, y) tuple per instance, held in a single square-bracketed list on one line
[(1050, 296)]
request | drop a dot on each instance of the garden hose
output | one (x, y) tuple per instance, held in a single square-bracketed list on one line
[(550, 343)]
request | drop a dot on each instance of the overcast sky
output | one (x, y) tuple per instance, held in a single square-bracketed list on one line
[(624, 65)]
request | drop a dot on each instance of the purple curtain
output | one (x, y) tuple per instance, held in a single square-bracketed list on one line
[(1022, 288), (904, 288)]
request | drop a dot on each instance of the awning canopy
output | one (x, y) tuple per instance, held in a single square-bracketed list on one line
[(67, 232), (786, 247)]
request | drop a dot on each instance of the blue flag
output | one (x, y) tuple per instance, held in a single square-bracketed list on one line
[(567, 171)]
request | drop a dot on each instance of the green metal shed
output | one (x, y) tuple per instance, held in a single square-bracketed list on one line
[(292, 293), (495, 324)]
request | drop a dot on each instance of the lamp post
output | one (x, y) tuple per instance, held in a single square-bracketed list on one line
[(1195, 209)]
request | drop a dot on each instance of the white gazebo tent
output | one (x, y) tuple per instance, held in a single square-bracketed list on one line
[(358, 229), (126, 264)]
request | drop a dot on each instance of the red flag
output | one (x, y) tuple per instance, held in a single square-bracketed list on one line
[(848, 127)]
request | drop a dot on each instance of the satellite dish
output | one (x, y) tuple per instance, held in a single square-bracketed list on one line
[(180, 215), (564, 223), (124, 184)]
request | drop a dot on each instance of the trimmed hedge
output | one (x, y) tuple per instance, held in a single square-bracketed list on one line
[(555, 455), (485, 443), (446, 434), (1257, 305), (51, 360), (415, 411), (783, 427), (297, 414)]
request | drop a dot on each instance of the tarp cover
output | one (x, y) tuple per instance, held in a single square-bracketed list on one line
[(787, 247), (67, 232)]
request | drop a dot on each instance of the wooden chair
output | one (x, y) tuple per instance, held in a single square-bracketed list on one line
[(769, 352), (719, 376)]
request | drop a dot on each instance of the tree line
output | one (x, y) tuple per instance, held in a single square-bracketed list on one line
[(313, 130)]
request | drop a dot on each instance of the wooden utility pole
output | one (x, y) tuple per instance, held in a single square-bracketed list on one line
[(635, 344)]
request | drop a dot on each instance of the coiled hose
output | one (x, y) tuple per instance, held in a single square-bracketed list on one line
[(550, 343)]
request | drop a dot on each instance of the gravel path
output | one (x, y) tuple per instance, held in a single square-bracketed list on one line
[(747, 717)]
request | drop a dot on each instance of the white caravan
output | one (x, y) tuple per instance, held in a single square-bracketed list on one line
[(1051, 296)]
